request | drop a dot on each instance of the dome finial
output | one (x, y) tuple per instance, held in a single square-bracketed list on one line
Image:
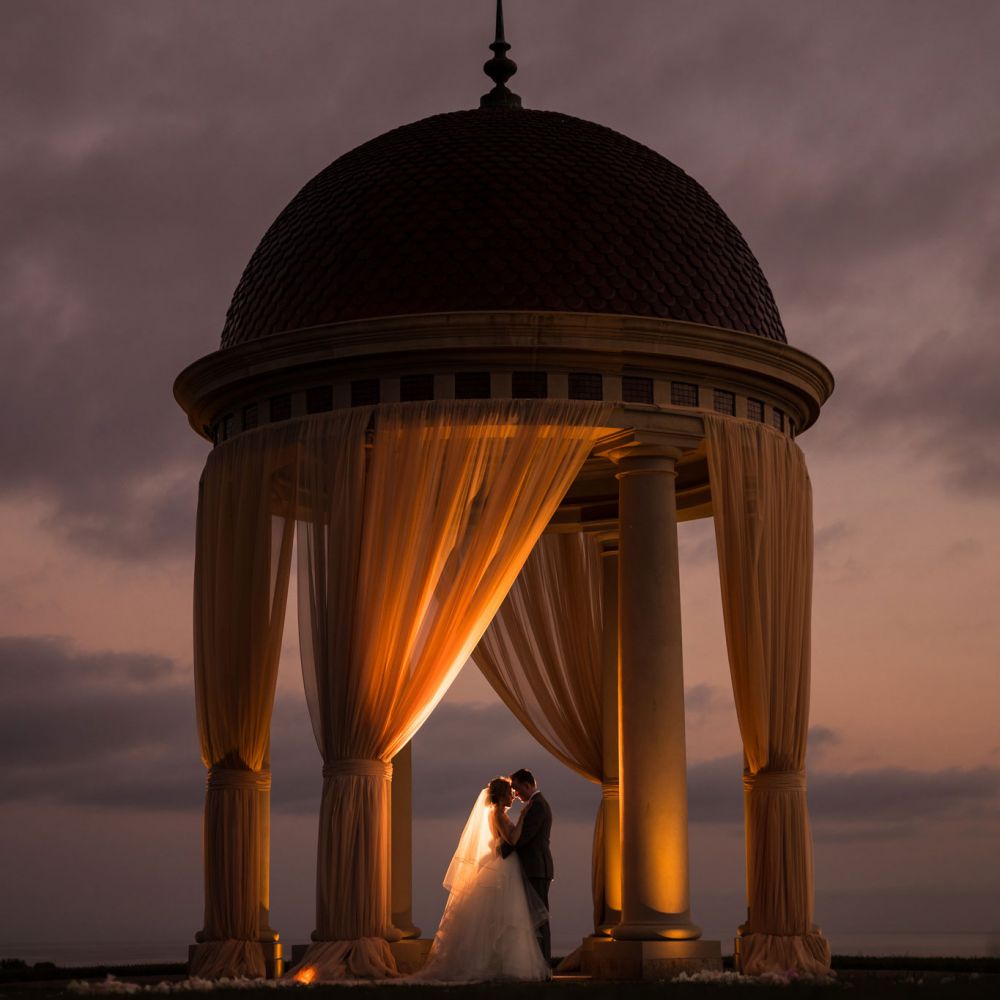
[(500, 69)]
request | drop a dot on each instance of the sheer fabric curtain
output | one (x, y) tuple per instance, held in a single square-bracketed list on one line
[(762, 505), (244, 544), (542, 656), (404, 560)]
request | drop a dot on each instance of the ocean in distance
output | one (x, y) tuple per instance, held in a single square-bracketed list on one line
[(82, 953)]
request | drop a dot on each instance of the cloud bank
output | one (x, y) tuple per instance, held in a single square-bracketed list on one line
[(117, 730)]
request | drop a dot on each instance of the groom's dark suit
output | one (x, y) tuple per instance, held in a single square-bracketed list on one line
[(533, 851)]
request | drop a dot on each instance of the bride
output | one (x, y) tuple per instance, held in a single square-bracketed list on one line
[(487, 930)]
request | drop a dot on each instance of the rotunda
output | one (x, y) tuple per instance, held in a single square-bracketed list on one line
[(471, 337)]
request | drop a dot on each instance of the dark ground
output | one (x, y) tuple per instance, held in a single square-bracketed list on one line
[(857, 978), (961, 987)]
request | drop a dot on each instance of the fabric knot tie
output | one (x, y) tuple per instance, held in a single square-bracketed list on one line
[(775, 781), (224, 778), (609, 789), (358, 768)]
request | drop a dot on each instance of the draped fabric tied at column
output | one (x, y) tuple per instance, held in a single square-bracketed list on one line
[(542, 656), (242, 565), (404, 558), (762, 505)]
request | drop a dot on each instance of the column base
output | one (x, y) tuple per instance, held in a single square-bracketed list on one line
[(274, 960), (610, 922), (403, 922), (607, 959), (668, 927), (410, 955)]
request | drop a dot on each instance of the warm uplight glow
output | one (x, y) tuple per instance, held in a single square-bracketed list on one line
[(305, 976)]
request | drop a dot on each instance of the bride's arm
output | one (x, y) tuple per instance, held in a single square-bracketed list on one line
[(508, 831)]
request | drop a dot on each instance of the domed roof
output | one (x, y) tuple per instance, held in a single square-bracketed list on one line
[(501, 209)]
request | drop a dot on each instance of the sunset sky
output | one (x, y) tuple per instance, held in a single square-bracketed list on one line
[(145, 147)]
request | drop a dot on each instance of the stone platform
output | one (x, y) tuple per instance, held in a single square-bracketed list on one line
[(606, 959)]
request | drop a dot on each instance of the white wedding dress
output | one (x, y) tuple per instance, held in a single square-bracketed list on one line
[(488, 927)]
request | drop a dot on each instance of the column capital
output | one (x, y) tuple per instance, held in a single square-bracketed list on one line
[(651, 450)]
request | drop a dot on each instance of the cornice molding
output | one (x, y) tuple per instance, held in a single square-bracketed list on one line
[(453, 341)]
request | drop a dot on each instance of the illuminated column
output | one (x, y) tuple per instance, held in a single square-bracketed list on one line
[(609, 714), (402, 843), (652, 756)]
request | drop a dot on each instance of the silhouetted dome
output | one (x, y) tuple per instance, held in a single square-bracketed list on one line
[(501, 209)]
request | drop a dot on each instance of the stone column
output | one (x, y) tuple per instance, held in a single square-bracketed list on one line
[(652, 754), (401, 834), (609, 736)]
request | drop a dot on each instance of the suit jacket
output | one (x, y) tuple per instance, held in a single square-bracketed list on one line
[(532, 846)]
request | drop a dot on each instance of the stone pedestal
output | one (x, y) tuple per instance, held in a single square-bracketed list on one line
[(607, 959), (411, 954)]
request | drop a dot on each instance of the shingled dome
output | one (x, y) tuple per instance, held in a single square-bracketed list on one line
[(501, 209)]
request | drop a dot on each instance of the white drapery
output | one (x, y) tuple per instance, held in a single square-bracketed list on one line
[(762, 506), (542, 656), (242, 564), (405, 557)]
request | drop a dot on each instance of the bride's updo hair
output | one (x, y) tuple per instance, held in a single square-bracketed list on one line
[(497, 789)]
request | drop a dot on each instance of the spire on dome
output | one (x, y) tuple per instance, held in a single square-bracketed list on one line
[(500, 69)]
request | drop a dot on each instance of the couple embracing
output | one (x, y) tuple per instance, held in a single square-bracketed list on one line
[(495, 924)]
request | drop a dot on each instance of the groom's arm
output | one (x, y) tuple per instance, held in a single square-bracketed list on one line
[(531, 826)]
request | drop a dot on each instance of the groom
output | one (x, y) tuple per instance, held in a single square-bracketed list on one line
[(533, 845)]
